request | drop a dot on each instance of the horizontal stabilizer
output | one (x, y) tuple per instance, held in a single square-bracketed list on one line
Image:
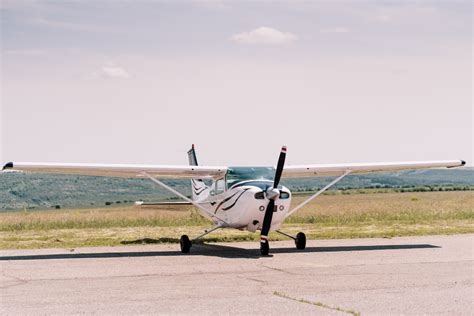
[(141, 203)]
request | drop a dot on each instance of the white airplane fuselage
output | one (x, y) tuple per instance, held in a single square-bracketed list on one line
[(243, 205)]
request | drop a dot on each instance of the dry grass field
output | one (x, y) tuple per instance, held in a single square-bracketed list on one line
[(329, 216)]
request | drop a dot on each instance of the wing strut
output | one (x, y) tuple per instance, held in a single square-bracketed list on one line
[(167, 187), (318, 193)]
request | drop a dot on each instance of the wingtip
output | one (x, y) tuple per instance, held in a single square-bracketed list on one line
[(8, 165)]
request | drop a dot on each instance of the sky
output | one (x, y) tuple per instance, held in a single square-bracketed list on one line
[(139, 82)]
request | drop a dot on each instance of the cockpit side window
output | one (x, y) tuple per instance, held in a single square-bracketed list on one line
[(218, 186)]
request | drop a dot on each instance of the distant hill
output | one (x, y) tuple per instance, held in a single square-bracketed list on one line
[(427, 177), (40, 191)]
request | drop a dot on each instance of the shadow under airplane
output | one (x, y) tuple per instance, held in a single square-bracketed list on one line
[(210, 250)]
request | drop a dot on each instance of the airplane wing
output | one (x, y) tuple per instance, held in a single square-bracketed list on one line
[(121, 170), (189, 172), (301, 171)]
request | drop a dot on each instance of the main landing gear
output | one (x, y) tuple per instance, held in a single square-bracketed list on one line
[(186, 243), (300, 239)]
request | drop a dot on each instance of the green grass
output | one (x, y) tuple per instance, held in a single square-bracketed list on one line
[(327, 217), (72, 238)]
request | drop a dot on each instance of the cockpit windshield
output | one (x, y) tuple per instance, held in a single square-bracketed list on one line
[(238, 174)]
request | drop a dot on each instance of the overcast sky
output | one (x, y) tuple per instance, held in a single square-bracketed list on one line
[(139, 82)]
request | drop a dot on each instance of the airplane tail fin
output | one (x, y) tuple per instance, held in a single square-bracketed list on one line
[(192, 156), (198, 187)]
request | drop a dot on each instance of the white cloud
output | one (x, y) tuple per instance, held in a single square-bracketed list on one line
[(114, 72), (27, 52), (335, 30), (264, 35), (212, 4), (67, 25)]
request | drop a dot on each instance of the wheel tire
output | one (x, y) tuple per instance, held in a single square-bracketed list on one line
[(264, 248), (185, 244), (300, 241)]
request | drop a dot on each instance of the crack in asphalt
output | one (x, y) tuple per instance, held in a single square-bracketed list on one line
[(19, 280), (319, 304), (279, 270), (263, 282)]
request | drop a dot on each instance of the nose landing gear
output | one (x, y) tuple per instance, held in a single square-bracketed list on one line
[(264, 247)]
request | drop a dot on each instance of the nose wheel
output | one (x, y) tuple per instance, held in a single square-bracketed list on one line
[(185, 244), (264, 248)]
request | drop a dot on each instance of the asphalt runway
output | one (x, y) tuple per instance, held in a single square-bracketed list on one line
[(409, 275)]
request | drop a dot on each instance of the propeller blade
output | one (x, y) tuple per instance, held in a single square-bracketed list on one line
[(267, 221), (280, 165)]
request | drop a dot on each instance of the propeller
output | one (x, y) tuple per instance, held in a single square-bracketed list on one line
[(272, 194)]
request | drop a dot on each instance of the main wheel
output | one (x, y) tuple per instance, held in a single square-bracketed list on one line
[(185, 243), (300, 241), (264, 248)]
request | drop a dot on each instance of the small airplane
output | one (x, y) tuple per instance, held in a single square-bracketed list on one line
[(244, 198)]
